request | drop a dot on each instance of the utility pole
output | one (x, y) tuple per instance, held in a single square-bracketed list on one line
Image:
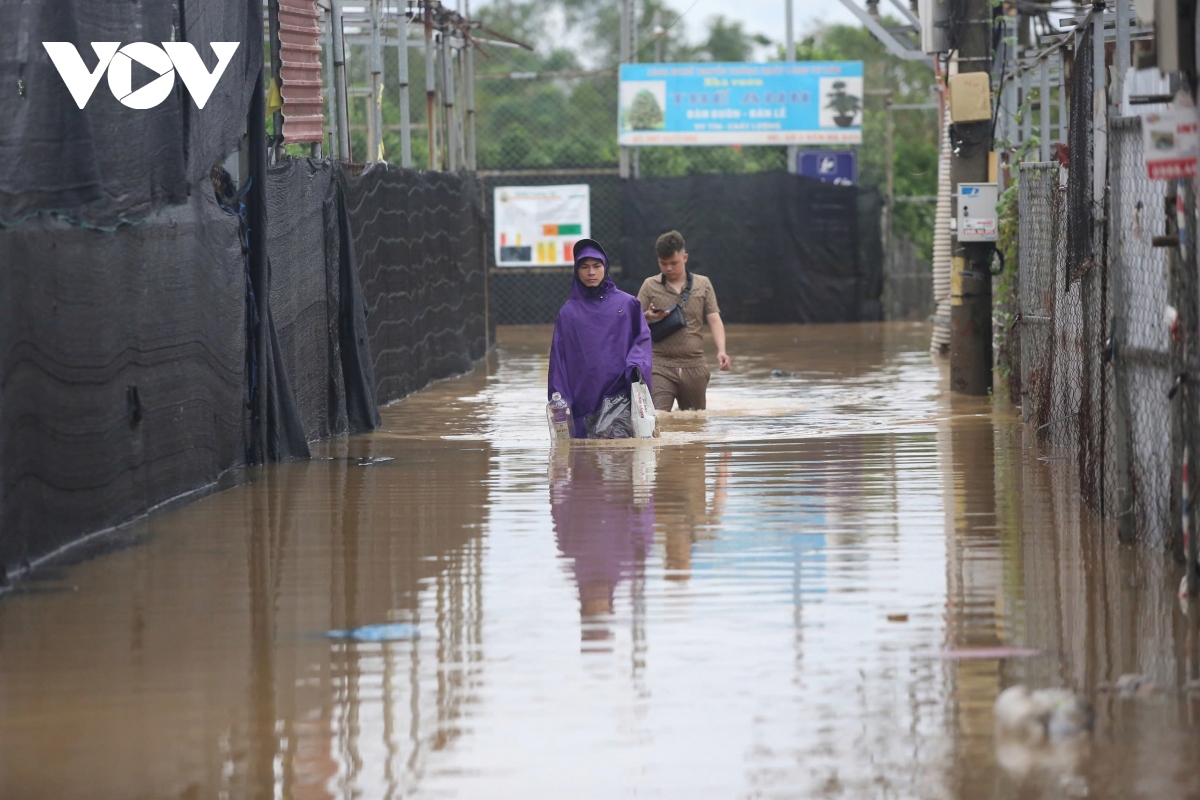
[(970, 263)]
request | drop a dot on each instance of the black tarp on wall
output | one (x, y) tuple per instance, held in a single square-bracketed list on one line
[(152, 337), (122, 370), (778, 247), (107, 164), (308, 269), (417, 236)]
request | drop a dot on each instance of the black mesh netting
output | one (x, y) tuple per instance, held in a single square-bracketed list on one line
[(316, 304), (530, 298), (122, 370), (418, 236), (770, 231), (127, 368), (108, 164), (779, 248)]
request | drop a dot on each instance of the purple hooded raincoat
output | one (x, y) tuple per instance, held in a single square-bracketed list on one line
[(600, 335)]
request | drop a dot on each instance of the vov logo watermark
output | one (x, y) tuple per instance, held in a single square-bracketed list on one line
[(117, 61)]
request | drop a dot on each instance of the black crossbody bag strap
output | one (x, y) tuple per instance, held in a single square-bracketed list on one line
[(676, 320), (687, 292)]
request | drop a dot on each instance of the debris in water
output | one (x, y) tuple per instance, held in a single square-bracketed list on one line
[(897, 617), (1131, 684), (1042, 714), (778, 373), (377, 633)]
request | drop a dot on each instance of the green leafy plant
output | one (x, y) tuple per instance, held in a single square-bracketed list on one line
[(644, 112), (1005, 305)]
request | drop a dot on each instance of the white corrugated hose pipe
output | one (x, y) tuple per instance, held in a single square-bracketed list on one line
[(941, 250)]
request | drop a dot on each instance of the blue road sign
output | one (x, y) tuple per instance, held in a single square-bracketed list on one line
[(839, 167)]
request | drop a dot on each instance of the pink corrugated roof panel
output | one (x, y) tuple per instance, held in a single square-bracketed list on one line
[(300, 50)]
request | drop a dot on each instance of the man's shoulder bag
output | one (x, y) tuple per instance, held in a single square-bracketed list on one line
[(673, 321)]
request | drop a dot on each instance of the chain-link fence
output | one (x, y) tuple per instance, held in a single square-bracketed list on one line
[(1142, 357), (544, 129), (1097, 358), (1040, 250)]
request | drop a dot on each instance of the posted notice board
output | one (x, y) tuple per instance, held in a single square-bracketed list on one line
[(813, 102), (536, 226)]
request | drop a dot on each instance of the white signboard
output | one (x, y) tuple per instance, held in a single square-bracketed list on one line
[(1172, 142), (536, 226)]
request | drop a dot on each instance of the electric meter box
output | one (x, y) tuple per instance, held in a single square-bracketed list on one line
[(977, 212)]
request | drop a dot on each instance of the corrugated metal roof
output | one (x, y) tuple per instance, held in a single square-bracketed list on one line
[(300, 51)]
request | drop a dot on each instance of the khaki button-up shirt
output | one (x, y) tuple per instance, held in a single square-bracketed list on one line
[(685, 347)]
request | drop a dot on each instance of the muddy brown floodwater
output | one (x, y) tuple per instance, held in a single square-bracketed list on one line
[(758, 604)]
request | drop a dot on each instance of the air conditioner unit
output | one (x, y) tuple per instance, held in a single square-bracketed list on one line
[(934, 15)]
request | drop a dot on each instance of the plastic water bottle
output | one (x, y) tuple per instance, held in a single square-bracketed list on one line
[(558, 414)]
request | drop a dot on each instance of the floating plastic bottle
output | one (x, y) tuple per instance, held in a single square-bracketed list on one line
[(558, 415)]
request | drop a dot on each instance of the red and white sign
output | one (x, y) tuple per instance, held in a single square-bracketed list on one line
[(1172, 142)]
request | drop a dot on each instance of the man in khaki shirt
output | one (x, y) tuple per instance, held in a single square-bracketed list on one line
[(679, 369)]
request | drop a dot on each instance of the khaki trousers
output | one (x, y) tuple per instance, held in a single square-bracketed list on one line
[(685, 384)]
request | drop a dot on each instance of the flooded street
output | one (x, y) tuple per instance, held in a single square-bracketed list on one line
[(771, 600)]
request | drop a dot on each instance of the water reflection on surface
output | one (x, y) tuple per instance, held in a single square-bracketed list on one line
[(755, 604)]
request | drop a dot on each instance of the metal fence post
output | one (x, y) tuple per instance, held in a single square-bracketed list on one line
[(430, 85), (330, 93), (375, 105), (1121, 62), (447, 56), (1189, 312), (402, 72), (1064, 120), (1009, 104), (339, 81), (1117, 268), (626, 22), (1044, 108), (889, 201), (1026, 104), (1176, 298), (790, 56), (470, 85)]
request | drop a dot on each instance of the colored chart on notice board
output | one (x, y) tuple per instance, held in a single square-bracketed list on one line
[(536, 226)]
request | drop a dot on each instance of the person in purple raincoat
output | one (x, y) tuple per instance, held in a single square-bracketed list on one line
[(601, 343)]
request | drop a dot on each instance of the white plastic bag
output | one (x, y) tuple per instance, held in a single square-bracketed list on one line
[(643, 410)]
